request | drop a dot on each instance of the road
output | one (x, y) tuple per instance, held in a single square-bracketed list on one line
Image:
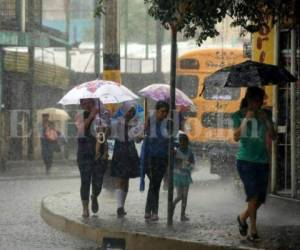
[(21, 226), (213, 206)]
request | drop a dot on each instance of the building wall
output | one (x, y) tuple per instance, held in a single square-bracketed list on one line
[(50, 82)]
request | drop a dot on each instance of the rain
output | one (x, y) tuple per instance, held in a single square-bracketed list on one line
[(90, 130)]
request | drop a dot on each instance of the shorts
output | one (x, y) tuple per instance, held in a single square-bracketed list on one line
[(255, 178)]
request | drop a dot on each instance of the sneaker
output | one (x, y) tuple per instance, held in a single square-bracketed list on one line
[(121, 212), (95, 206), (254, 237), (154, 217), (184, 218), (243, 226)]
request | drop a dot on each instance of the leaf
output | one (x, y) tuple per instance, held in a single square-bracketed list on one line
[(200, 17)]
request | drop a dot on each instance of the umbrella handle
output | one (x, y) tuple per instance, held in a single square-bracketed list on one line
[(101, 137)]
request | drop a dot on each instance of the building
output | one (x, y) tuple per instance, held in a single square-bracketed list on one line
[(280, 45), (26, 82)]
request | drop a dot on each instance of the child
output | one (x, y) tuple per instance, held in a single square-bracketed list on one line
[(184, 161)]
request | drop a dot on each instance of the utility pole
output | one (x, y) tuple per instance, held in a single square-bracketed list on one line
[(126, 21), (3, 117), (1, 76), (97, 41), (21, 14), (30, 82), (111, 53), (147, 36), (173, 29), (67, 31), (159, 40)]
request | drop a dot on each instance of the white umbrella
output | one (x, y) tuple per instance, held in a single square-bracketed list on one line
[(107, 91), (54, 113)]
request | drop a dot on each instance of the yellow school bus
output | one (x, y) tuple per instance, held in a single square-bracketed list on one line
[(209, 127)]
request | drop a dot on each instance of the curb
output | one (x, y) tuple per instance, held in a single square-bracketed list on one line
[(134, 240), (287, 199)]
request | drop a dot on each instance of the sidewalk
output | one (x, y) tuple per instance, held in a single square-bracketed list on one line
[(25, 169), (212, 208), (20, 170)]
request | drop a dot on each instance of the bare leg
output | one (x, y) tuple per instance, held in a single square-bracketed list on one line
[(245, 214), (85, 208), (184, 203), (124, 187), (178, 198), (252, 210)]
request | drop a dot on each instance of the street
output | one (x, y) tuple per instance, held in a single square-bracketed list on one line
[(21, 227), (212, 206)]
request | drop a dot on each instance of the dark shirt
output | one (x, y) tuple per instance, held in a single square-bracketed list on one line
[(157, 140), (86, 143)]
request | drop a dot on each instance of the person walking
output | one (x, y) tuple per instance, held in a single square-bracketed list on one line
[(44, 143), (91, 167), (252, 126), (155, 159), (184, 162), (48, 142), (125, 161)]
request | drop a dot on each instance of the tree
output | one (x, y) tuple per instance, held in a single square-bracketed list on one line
[(198, 18)]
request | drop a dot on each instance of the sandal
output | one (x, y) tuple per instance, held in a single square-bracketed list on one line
[(184, 218), (95, 206), (243, 226), (147, 216), (254, 237), (121, 212), (154, 217)]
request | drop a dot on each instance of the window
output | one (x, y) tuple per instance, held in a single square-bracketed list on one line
[(189, 64), (220, 93), (188, 84), (216, 120)]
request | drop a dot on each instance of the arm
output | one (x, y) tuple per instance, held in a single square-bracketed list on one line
[(237, 132), (87, 120), (191, 161), (266, 117), (240, 128)]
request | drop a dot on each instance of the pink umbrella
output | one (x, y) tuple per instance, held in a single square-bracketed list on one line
[(161, 92)]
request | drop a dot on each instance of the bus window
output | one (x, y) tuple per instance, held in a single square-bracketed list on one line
[(189, 64), (220, 93), (216, 120), (188, 84)]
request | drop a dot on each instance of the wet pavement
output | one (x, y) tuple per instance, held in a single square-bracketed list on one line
[(33, 170), (212, 207), (21, 227)]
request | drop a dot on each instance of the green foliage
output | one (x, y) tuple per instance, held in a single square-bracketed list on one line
[(100, 8), (199, 17), (254, 14)]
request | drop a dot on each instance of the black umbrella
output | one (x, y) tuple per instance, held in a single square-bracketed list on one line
[(249, 73)]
